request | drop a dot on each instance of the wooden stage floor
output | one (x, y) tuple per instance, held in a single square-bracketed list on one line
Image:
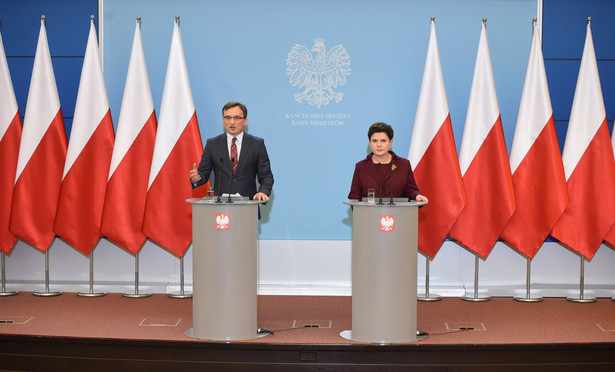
[(112, 332)]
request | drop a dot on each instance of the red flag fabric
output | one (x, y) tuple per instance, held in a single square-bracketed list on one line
[(588, 164), (87, 161), (433, 156), (610, 236), (168, 217), (10, 135), (42, 152), (535, 160), (483, 160), (124, 208)]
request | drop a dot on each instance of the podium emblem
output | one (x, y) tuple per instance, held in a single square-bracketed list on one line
[(223, 221), (387, 223)]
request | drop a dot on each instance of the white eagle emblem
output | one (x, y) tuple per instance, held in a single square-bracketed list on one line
[(222, 221), (387, 223), (318, 74)]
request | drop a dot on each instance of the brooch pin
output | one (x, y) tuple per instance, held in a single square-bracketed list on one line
[(393, 166)]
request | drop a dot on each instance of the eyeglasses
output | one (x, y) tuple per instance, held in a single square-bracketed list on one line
[(236, 118)]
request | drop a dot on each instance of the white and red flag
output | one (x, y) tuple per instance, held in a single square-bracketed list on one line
[(84, 181), (483, 160), (42, 152), (168, 217), (433, 156), (588, 164), (536, 163), (124, 208), (10, 135)]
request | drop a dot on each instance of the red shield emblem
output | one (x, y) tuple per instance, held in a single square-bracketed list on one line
[(223, 221), (387, 223)]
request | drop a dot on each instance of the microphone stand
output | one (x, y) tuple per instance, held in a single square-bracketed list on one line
[(230, 186), (391, 180), (380, 184), (220, 182)]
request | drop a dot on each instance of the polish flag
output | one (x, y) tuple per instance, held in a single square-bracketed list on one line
[(168, 217), (87, 161), (588, 164), (10, 135), (536, 163), (42, 153), (484, 163), (433, 156), (122, 220)]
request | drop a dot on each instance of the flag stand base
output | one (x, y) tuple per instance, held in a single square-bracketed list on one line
[(47, 293), (136, 295), (426, 297), (527, 299), (476, 298), (180, 295), (91, 294), (583, 300), (8, 293)]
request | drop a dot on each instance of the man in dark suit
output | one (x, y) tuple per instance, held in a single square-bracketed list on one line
[(238, 152)]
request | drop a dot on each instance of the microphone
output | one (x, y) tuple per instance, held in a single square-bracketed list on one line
[(380, 184), (230, 185), (391, 180), (220, 182)]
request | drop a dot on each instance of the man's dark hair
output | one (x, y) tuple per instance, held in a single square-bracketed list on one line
[(380, 127), (236, 104)]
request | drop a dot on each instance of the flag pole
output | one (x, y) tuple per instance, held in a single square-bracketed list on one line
[(136, 294), (91, 293), (4, 292), (47, 293), (528, 297), (181, 293), (427, 297), (476, 297), (582, 297)]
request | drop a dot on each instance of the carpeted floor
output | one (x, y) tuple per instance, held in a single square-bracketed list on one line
[(499, 321)]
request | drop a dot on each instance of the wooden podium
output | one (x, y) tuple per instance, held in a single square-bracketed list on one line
[(224, 269), (384, 257)]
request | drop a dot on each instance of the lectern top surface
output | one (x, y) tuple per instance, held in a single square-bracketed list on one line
[(397, 202), (223, 200)]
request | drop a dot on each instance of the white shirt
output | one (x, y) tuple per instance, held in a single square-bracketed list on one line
[(229, 141)]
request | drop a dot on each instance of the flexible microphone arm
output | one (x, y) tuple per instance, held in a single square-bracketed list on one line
[(220, 182), (380, 184)]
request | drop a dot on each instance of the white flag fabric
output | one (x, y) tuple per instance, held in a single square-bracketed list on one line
[(42, 153), (433, 156), (87, 161), (484, 165), (10, 136), (536, 163), (588, 163), (168, 217), (124, 206)]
